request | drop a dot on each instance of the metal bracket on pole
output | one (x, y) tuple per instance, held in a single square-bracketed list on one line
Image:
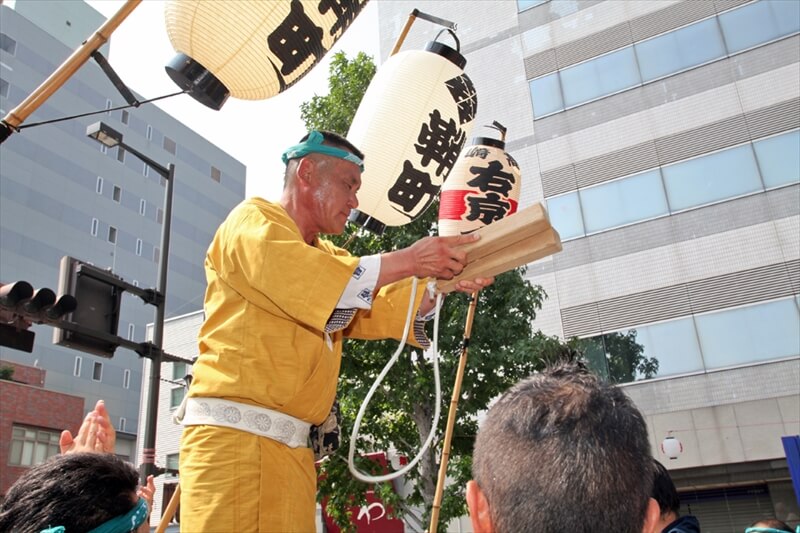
[(416, 13)]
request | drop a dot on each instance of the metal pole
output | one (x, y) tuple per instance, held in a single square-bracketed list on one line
[(149, 448)]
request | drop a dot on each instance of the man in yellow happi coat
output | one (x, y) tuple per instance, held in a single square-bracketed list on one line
[(278, 304)]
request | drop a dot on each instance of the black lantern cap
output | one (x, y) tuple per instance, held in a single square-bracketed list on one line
[(201, 84), (367, 222)]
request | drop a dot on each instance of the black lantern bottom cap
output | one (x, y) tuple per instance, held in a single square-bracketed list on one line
[(367, 222), (200, 83)]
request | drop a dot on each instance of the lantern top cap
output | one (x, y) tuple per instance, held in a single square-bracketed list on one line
[(313, 143)]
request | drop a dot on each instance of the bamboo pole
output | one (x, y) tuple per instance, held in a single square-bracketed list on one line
[(17, 116), (169, 512), (402, 37), (451, 417)]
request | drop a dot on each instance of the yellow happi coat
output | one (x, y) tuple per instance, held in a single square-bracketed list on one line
[(268, 300)]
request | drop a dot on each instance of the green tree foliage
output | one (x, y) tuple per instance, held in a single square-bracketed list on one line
[(502, 350), (347, 82), (7, 373)]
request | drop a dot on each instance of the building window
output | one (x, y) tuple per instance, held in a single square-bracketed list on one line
[(173, 460), (149, 133), (97, 371), (76, 370), (31, 446), (112, 235), (159, 215), (156, 254), (131, 331), (176, 397), (139, 247), (126, 379), (103, 148), (145, 170), (117, 194), (7, 44), (109, 105), (522, 5), (99, 187), (717, 339), (169, 145), (122, 423), (3, 88), (179, 370), (120, 154), (216, 175), (124, 118), (95, 224), (142, 206)]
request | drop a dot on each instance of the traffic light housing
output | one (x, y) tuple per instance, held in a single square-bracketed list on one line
[(98, 296), (21, 305)]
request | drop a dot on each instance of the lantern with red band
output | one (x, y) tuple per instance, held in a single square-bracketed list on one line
[(412, 123), (483, 187), (250, 49)]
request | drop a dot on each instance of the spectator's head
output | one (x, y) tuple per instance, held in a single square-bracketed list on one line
[(562, 451), (769, 525), (666, 495), (78, 491)]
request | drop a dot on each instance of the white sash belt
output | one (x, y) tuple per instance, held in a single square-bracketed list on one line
[(289, 430)]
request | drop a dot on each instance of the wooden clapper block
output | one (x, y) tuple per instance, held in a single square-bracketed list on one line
[(506, 244)]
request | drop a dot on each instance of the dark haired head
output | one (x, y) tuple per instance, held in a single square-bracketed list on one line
[(563, 451), (664, 491), (79, 491)]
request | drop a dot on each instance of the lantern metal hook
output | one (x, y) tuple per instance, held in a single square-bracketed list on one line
[(455, 38), (416, 13)]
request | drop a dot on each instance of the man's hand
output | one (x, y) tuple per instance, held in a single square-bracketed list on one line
[(96, 433), (431, 257)]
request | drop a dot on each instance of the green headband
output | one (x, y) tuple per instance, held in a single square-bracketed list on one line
[(120, 524), (314, 145)]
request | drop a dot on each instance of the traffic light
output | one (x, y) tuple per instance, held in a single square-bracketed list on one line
[(21, 305), (99, 295)]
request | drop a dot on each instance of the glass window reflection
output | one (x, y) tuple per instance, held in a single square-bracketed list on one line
[(673, 345), (604, 75), (711, 178), (679, 50), (759, 22), (748, 334), (623, 201), (779, 159), (522, 5), (565, 215), (546, 95)]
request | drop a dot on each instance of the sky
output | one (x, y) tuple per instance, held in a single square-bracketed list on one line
[(256, 132)]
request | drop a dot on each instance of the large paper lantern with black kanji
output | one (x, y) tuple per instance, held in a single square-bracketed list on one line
[(250, 49), (411, 125), (483, 187)]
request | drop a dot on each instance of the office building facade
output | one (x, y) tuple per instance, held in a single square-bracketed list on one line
[(663, 138), (62, 193)]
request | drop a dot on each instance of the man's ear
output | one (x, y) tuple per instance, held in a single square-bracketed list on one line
[(305, 170), (651, 517), (478, 509)]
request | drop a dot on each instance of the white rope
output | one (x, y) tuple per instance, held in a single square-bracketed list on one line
[(435, 360)]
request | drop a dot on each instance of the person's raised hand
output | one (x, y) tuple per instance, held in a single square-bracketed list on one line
[(96, 433)]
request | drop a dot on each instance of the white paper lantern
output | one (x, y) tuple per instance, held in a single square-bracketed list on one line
[(483, 187), (411, 125), (671, 447), (250, 49)]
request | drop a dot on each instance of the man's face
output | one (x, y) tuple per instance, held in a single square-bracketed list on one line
[(337, 181)]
